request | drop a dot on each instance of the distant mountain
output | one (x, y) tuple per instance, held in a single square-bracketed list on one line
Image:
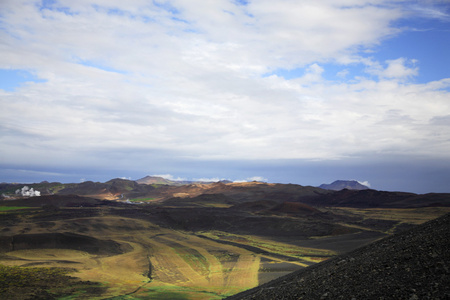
[(225, 181), (161, 180), (344, 184), (154, 180)]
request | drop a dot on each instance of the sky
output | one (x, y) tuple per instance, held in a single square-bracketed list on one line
[(303, 92)]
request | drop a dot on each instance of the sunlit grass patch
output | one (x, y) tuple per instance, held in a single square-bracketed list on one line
[(407, 215), (164, 292), (271, 246), (141, 199), (8, 208), (217, 205), (49, 254), (197, 261)]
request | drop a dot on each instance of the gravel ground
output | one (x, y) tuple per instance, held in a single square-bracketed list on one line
[(412, 265)]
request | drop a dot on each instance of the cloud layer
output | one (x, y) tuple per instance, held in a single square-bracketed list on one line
[(131, 83)]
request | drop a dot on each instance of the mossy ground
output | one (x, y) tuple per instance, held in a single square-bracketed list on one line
[(158, 262), (41, 283)]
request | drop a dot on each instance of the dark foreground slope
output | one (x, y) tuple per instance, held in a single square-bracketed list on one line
[(414, 264)]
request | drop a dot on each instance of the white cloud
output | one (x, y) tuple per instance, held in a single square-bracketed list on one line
[(313, 75), (399, 68), (213, 179), (342, 73), (257, 178), (170, 177), (186, 79), (253, 178), (431, 9), (366, 183)]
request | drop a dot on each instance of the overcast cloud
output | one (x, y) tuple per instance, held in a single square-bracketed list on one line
[(128, 83)]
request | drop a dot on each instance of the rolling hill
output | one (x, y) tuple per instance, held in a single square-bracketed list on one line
[(204, 241)]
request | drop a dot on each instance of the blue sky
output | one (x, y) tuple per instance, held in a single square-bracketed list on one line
[(293, 91), (10, 80)]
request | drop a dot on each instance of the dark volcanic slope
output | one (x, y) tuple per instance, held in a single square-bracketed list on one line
[(56, 200), (373, 198), (414, 264), (66, 240)]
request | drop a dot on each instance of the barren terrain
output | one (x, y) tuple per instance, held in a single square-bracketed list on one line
[(413, 264), (213, 242)]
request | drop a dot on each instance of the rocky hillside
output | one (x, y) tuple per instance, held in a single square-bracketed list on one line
[(414, 264)]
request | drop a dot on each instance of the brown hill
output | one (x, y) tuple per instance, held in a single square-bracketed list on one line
[(254, 191), (112, 189), (236, 193), (414, 264)]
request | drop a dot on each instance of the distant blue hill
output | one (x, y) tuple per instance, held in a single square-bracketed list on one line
[(344, 184)]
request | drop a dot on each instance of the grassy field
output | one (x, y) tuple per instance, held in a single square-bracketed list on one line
[(141, 199), (42, 283), (407, 215), (404, 216), (8, 208), (301, 253), (162, 263)]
